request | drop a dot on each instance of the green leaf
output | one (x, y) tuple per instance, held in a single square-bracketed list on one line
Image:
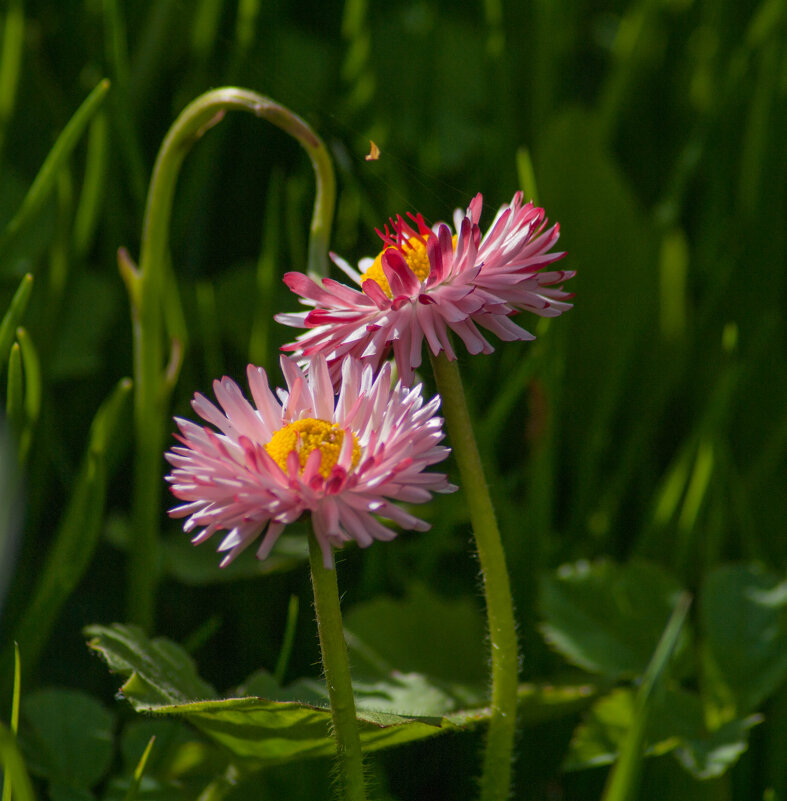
[(44, 182), (407, 694), (160, 672), (743, 612), (162, 680), (421, 633), (676, 726), (709, 757), (607, 618), (67, 736)]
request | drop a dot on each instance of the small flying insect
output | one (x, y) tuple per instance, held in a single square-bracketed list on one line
[(374, 152)]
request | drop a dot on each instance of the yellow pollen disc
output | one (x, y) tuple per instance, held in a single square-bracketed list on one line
[(414, 252), (304, 436)]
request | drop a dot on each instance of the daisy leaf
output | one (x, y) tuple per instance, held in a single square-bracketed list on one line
[(162, 681)]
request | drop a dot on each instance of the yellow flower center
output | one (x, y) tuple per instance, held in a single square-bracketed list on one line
[(414, 252), (304, 436)]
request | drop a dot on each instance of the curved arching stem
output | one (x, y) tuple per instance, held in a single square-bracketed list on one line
[(153, 381)]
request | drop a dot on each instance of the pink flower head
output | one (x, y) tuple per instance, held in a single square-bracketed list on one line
[(427, 281), (345, 460)]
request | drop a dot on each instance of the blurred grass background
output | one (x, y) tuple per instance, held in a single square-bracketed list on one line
[(650, 421)]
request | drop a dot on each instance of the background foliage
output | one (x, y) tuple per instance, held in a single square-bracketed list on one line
[(645, 428)]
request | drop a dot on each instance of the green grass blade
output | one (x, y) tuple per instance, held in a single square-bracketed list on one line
[(205, 28), (7, 786), (78, 532), (33, 390), (15, 392), (89, 208), (14, 767), (624, 777), (260, 351), (44, 182), (17, 690), (673, 270), (208, 328), (10, 62), (13, 316), (115, 35), (8, 778), (133, 788), (248, 12), (526, 174), (288, 641), (59, 248), (123, 110)]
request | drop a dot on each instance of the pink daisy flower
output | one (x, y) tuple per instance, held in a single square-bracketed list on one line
[(345, 460), (426, 281)]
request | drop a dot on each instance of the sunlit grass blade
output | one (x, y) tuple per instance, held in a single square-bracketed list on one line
[(8, 778), (624, 776), (10, 62), (31, 403), (358, 72), (635, 29), (767, 94), (14, 767), (697, 486), (7, 786), (205, 27), (32, 374), (115, 36), (133, 788), (15, 391), (44, 182), (526, 174), (89, 208), (260, 346), (673, 269), (13, 316), (78, 532), (288, 641), (248, 11)]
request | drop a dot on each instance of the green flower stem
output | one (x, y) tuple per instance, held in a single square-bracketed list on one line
[(496, 776), (337, 673), (153, 381)]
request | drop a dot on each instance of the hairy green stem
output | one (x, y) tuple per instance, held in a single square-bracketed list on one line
[(153, 381), (336, 666), (496, 775)]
